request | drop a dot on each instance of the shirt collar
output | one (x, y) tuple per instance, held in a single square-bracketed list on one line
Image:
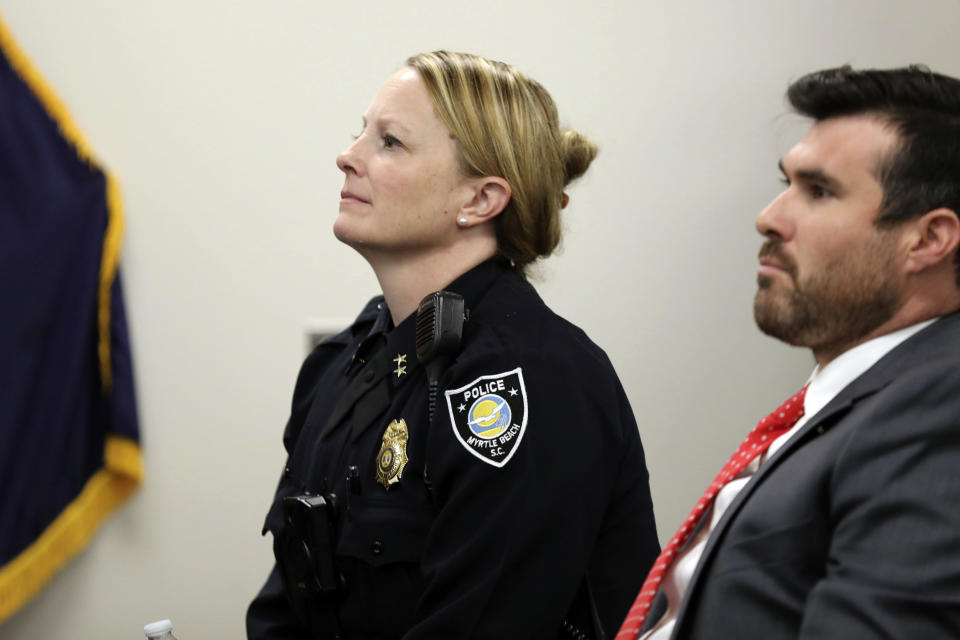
[(475, 282), (401, 340), (376, 335), (826, 383)]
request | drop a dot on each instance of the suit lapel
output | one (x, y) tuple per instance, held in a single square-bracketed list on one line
[(867, 384)]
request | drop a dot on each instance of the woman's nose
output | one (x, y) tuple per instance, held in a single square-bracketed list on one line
[(348, 160)]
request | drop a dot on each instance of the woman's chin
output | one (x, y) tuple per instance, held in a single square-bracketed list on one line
[(345, 230), (349, 235)]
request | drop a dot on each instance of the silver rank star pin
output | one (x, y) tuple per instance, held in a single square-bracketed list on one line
[(401, 361)]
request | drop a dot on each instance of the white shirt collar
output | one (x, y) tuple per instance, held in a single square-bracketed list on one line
[(826, 383)]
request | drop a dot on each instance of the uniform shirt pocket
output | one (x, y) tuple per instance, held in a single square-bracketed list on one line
[(381, 534)]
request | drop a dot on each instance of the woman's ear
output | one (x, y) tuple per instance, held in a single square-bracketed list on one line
[(936, 239), (490, 196)]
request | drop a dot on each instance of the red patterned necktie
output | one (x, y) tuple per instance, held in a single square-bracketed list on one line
[(757, 441)]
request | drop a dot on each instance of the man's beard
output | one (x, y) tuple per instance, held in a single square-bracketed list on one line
[(836, 306)]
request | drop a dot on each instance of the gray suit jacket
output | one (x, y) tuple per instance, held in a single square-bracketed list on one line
[(852, 529)]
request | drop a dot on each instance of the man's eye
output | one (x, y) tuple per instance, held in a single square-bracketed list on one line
[(389, 141), (819, 192)]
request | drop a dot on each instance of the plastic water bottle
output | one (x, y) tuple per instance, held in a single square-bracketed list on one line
[(159, 630)]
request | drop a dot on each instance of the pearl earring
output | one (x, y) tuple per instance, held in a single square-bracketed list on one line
[(462, 221)]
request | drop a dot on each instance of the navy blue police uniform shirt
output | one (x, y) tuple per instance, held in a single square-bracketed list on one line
[(484, 523)]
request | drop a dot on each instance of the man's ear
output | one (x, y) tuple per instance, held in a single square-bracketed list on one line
[(490, 196), (935, 240)]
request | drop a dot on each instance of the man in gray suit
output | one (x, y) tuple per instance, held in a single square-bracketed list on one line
[(847, 526)]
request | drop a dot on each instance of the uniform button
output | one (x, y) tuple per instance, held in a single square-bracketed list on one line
[(368, 376), (377, 547), (286, 471)]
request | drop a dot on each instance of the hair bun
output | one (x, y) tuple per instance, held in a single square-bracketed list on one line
[(577, 152)]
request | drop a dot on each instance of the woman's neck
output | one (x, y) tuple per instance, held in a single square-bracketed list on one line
[(406, 280)]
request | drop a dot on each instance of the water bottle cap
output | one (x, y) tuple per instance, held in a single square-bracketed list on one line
[(157, 628)]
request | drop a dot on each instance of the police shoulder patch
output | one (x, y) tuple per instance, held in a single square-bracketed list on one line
[(489, 415)]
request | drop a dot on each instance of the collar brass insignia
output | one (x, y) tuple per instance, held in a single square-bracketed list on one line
[(393, 453), (401, 361)]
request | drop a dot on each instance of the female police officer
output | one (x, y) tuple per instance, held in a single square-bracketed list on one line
[(516, 507)]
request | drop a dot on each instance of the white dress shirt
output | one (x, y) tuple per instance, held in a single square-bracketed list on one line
[(824, 385)]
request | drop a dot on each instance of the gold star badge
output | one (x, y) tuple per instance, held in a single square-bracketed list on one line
[(401, 360)]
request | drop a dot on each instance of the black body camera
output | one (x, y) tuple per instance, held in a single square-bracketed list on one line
[(308, 545)]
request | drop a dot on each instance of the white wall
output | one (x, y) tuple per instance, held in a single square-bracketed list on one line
[(222, 118)]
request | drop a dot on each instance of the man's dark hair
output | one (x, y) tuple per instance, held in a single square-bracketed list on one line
[(923, 107)]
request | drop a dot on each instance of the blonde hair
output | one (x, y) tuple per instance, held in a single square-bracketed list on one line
[(506, 125)]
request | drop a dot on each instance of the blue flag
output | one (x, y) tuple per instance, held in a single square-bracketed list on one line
[(69, 438)]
